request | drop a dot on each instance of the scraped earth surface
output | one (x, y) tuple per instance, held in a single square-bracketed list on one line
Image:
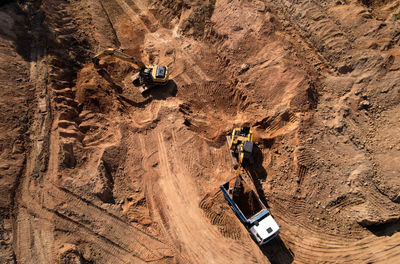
[(94, 172)]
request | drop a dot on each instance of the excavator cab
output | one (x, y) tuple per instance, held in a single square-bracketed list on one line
[(153, 75), (161, 72)]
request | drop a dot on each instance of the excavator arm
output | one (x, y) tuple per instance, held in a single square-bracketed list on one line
[(119, 55)]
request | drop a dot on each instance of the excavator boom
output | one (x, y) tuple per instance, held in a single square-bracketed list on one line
[(241, 144), (119, 55)]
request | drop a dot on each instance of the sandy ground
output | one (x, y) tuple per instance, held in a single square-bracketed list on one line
[(94, 172)]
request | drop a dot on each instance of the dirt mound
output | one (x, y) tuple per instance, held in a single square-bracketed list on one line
[(248, 202), (94, 92), (219, 213)]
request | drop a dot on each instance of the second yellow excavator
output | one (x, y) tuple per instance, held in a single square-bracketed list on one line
[(147, 77)]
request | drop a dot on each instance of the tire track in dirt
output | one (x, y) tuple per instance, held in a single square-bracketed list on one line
[(186, 224), (107, 226), (331, 40), (35, 233), (144, 14), (134, 16), (326, 36), (29, 244), (149, 189), (311, 245)]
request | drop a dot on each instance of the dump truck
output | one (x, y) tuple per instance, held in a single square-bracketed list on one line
[(251, 211), (241, 196)]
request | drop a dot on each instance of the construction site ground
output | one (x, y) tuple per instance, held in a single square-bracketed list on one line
[(91, 171)]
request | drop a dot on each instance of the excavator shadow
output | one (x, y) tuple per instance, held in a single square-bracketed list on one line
[(257, 172), (157, 93), (277, 252), (162, 92)]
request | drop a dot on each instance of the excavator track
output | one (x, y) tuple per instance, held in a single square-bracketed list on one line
[(235, 163)]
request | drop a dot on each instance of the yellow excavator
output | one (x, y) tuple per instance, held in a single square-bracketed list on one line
[(147, 77), (240, 144)]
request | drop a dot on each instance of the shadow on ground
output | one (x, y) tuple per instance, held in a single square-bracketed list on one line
[(385, 229), (277, 252), (257, 172), (155, 93), (162, 92)]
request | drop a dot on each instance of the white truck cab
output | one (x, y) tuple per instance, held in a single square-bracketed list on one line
[(264, 229), (252, 212)]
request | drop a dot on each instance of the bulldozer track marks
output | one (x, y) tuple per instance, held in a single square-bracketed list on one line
[(278, 125), (281, 122), (328, 38), (144, 14), (305, 163), (331, 247), (171, 160), (218, 212), (345, 201), (133, 15), (301, 173), (94, 129), (30, 243), (90, 219), (178, 188), (85, 213)]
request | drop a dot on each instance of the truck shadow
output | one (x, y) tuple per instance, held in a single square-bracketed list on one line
[(277, 252)]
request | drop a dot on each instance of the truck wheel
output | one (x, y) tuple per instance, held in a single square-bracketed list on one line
[(254, 238)]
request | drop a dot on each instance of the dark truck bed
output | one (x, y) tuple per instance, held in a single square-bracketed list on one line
[(246, 201)]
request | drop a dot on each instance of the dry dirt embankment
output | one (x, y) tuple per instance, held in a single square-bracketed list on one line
[(92, 171), (17, 98)]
